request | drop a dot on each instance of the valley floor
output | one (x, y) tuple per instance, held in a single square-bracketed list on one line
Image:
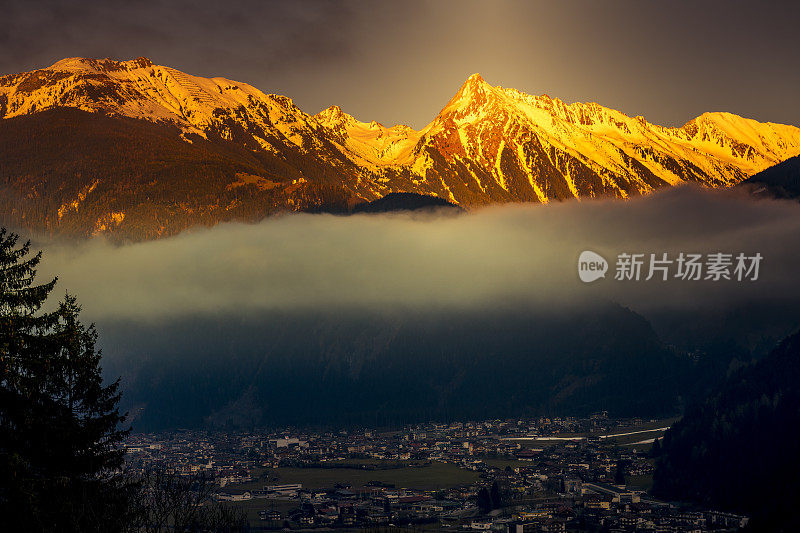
[(519, 475)]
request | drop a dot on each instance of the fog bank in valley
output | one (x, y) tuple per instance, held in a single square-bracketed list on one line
[(496, 255)]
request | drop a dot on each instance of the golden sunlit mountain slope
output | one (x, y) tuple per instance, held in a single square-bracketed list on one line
[(140, 151)]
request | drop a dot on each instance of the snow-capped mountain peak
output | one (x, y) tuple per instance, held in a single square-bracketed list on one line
[(333, 117), (368, 143), (488, 144), (470, 99)]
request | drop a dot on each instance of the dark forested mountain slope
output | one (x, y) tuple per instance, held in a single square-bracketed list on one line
[(404, 201), (386, 368), (140, 180), (738, 449), (779, 181)]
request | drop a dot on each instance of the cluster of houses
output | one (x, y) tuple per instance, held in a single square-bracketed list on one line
[(586, 507), (526, 477), (229, 453)]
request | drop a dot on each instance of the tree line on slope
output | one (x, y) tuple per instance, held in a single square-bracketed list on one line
[(162, 183)]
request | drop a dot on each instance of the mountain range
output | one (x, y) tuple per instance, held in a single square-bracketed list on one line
[(141, 151)]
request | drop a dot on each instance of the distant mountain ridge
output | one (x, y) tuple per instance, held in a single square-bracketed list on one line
[(404, 201), (245, 154), (779, 181)]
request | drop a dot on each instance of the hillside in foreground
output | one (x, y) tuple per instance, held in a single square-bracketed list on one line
[(737, 450)]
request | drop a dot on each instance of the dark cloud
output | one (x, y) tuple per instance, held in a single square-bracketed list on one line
[(401, 61), (212, 38)]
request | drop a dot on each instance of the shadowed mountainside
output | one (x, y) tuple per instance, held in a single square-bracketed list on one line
[(391, 368), (737, 450), (404, 201), (779, 181)]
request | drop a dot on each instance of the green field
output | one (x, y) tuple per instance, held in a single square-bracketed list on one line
[(433, 476), (539, 444), (647, 425), (625, 439), (427, 477), (644, 482), (252, 507), (631, 439)]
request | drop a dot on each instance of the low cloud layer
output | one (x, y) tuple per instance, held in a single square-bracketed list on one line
[(493, 256)]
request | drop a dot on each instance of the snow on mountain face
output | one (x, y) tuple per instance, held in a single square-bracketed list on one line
[(139, 89), (136, 89), (488, 144), (586, 150), (372, 144)]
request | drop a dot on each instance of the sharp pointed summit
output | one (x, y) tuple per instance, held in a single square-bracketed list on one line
[(474, 91), (475, 80)]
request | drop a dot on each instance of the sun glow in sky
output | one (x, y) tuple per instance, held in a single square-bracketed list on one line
[(400, 62)]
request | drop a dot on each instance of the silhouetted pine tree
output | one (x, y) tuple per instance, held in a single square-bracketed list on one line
[(619, 473), (497, 501), (60, 452), (484, 500)]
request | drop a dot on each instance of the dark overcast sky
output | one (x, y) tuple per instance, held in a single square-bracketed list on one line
[(401, 61)]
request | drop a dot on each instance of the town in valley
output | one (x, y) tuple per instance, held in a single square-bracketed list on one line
[(526, 475)]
